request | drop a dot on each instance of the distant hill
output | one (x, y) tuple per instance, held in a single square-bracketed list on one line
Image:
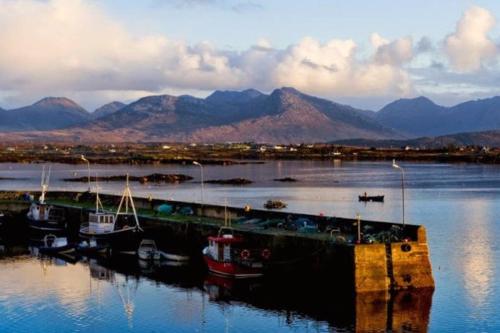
[(422, 117), (486, 138), (286, 115), (107, 109), (47, 114)]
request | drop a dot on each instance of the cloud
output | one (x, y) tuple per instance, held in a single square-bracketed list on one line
[(470, 47), (72, 47)]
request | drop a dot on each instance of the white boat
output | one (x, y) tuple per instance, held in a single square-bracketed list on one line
[(56, 245), (44, 217), (112, 227), (148, 251)]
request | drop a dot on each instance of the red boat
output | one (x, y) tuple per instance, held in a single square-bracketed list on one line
[(226, 255)]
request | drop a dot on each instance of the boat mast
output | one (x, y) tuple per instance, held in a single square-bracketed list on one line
[(126, 198), (44, 184), (98, 202)]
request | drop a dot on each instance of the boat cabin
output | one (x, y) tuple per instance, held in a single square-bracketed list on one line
[(39, 212), (220, 247), (100, 223)]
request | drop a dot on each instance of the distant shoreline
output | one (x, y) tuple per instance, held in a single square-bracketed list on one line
[(234, 154)]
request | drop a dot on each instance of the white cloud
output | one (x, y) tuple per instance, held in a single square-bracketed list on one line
[(469, 47), (72, 48)]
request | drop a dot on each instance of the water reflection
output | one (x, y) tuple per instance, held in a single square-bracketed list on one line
[(115, 295), (476, 256)]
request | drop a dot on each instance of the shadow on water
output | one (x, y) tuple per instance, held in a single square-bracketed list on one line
[(292, 298)]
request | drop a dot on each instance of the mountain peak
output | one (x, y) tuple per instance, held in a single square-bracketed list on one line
[(107, 109), (232, 96), (59, 101)]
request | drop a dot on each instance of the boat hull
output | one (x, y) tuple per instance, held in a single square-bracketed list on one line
[(231, 269), (377, 198), (124, 240), (46, 226), (57, 250)]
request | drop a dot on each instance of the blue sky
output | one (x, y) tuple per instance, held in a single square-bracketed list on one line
[(364, 53)]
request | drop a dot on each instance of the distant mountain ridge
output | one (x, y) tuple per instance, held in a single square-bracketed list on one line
[(47, 114), (286, 115), (422, 117), (486, 138)]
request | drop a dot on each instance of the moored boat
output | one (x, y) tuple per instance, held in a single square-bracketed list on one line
[(43, 217), (148, 251), (366, 198), (56, 245), (114, 229), (90, 247), (227, 255)]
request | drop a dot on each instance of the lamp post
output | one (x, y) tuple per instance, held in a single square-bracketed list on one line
[(88, 168), (201, 171), (395, 166)]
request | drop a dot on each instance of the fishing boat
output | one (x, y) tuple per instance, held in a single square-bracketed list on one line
[(148, 251), (119, 228), (366, 198), (43, 217), (227, 255), (56, 245)]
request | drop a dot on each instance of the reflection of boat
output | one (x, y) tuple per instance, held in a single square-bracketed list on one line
[(56, 245), (366, 198), (226, 255), (275, 204), (148, 251), (170, 256), (43, 217), (116, 229)]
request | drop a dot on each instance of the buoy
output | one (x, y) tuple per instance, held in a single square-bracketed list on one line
[(245, 254), (266, 254)]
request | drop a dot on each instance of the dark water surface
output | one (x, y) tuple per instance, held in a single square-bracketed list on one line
[(458, 203)]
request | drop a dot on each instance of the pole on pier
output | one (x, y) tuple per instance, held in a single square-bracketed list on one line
[(394, 165), (202, 180)]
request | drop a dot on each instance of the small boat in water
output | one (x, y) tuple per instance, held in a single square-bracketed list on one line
[(43, 217), (227, 255), (148, 251), (90, 247), (366, 198), (56, 245), (121, 227), (275, 204)]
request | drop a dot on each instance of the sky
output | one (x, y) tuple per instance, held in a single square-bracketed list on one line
[(363, 53)]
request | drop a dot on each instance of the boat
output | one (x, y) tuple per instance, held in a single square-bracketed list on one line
[(56, 245), (227, 255), (90, 247), (148, 251), (366, 198), (113, 228), (275, 204), (43, 217)]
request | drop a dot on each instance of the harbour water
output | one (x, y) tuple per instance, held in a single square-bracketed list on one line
[(458, 203)]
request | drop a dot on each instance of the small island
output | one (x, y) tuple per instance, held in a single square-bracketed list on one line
[(153, 178), (232, 181), (285, 180)]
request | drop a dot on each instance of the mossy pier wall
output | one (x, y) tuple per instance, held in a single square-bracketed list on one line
[(365, 267)]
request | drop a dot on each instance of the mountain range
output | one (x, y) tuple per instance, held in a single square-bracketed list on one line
[(284, 116)]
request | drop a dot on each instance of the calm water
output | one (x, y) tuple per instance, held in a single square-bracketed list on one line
[(459, 204)]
